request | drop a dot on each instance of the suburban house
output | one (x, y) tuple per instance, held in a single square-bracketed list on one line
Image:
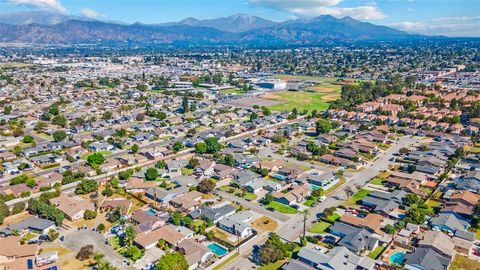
[(72, 207)]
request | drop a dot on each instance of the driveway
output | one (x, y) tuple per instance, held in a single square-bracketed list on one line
[(75, 240)]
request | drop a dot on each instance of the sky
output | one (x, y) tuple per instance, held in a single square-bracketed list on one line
[(431, 17)]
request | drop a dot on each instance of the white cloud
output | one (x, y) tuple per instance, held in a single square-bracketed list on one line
[(463, 26), (54, 5), (312, 8), (90, 13)]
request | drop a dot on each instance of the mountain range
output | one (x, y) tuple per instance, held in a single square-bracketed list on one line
[(52, 28)]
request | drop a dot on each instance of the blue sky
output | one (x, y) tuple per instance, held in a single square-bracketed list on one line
[(446, 17)]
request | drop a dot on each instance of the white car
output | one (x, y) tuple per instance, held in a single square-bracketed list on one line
[(322, 198)]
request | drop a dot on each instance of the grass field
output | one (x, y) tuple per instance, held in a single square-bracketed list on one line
[(282, 208), (355, 198), (319, 227), (463, 263), (300, 100)]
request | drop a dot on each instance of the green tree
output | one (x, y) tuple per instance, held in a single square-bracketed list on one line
[(28, 139), (86, 186), (151, 174), (172, 261), (134, 148), (200, 148), (59, 135), (323, 126), (95, 160), (59, 120), (177, 146), (212, 144)]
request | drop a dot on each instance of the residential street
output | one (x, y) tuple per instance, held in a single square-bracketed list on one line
[(293, 227)]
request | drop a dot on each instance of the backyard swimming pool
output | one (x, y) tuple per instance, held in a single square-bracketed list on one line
[(217, 249), (397, 258), (151, 212)]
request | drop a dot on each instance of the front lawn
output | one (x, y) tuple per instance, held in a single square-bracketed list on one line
[(319, 227), (333, 217), (272, 266), (104, 153), (226, 262), (355, 198), (249, 196), (377, 181), (282, 208)]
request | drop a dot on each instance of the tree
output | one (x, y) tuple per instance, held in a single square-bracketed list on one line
[(389, 228), (212, 144), (176, 218), (318, 192), (151, 174), (266, 111), (46, 211), (85, 253), (161, 164), (206, 186), (253, 116), (185, 106), (108, 191), (4, 211), (95, 160), (59, 135), (177, 146), (52, 235), (86, 186), (59, 120), (107, 115), (132, 252), (134, 148), (101, 227), (323, 126), (89, 214), (28, 139), (172, 261), (411, 199), (200, 148)]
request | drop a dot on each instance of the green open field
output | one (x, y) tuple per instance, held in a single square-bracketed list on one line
[(301, 100)]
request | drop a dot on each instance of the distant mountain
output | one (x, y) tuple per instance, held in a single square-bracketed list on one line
[(316, 31), (38, 17), (235, 23), (325, 28), (73, 31)]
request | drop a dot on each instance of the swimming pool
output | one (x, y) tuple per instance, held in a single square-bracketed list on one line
[(397, 258), (151, 212), (217, 249), (314, 187)]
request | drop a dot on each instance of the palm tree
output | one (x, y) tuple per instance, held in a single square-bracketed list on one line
[(305, 214)]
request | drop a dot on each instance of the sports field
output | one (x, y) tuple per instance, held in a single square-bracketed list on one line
[(301, 100)]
